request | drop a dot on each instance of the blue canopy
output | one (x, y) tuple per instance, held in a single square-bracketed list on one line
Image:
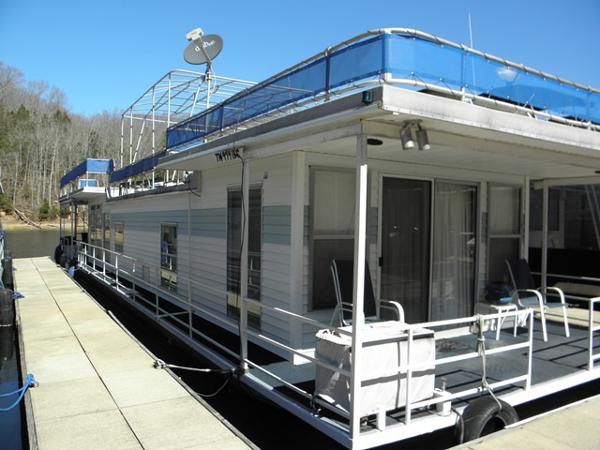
[(402, 56), (143, 165), (88, 166)]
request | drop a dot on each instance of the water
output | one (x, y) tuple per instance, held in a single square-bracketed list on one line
[(10, 422), (23, 243), (29, 243)]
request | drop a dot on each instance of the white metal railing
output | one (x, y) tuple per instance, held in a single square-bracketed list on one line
[(100, 262), (410, 367), (128, 275)]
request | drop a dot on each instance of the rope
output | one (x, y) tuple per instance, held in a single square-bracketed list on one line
[(29, 382), (160, 364), (481, 351)]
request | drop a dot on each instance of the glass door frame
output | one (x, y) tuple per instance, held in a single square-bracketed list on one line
[(478, 229), (431, 181)]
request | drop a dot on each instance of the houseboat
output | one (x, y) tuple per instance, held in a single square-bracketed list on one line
[(347, 236)]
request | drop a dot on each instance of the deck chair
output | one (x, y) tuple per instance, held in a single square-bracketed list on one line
[(527, 295), (342, 273)]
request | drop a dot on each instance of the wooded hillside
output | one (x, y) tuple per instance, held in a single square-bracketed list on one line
[(40, 140)]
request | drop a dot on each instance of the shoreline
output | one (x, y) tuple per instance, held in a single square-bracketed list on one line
[(10, 223)]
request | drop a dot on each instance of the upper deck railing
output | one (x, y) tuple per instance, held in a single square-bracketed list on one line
[(90, 173), (405, 57)]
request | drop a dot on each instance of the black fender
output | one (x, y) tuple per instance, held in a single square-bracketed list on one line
[(484, 416), (58, 251)]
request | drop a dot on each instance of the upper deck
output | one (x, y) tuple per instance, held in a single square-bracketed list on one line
[(86, 181), (401, 57)]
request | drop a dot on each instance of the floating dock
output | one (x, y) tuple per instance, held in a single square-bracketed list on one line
[(573, 427), (97, 385)]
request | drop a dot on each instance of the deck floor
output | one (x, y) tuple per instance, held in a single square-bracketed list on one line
[(557, 357), (97, 386)]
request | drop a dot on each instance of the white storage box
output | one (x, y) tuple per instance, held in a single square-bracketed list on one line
[(384, 349)]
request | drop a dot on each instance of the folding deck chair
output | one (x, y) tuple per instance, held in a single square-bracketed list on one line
[(342, 273), (527, 295)]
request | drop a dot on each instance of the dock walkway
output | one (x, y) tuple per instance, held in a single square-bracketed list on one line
[(97, 386), (574, 427)]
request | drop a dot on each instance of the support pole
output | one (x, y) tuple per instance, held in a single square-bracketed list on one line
[(545, 195), (358, 316), (297, 245), (131, 138), (75, 222), (122, 140), (244, 264), (153, 130)]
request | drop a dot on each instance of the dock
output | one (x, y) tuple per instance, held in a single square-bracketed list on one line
[(573, 427), (97, 385)]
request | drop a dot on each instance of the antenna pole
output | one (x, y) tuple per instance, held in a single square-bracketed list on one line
[(471, 45), (470, 30), (207, 78)]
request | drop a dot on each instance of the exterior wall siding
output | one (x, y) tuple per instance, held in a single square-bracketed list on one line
[(202, 250)]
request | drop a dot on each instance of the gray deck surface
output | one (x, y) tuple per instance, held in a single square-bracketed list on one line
[(575, 428), (557, 357), (97, 386)]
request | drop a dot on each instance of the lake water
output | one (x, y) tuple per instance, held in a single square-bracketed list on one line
[(23, 243), (28, 243)]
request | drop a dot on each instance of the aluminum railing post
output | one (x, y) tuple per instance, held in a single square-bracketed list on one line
[(530, 350), (117, 269), (591, 335), (358, 316), (190, 322), (409, 345), (544, 239)]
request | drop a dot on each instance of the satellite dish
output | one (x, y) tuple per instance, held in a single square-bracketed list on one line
[(203, 49)]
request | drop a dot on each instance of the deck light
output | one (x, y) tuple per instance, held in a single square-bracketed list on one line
[(422, 139), (406, 138)]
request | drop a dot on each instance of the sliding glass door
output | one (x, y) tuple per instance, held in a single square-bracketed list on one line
[(405, 237), (454, 250), (431, 283)]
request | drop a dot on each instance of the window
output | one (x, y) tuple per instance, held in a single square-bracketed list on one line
[(234, 241), (504, 233), (95, 225), (168, 256), (106, 235), (119, 237), (106, 226), (332, 225)]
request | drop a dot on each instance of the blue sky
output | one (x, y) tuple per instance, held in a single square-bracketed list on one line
[(105, 53)]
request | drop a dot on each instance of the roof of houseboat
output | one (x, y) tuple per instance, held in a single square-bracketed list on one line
[(402, 57)]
